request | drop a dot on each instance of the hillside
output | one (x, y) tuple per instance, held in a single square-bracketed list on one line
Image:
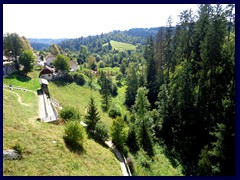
[(39, 44), (44, 151), (121, 46), (136, 36)]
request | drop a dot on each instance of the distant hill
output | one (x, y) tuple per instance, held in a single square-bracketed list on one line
[(39, 44), (121, 46), (135, 36)]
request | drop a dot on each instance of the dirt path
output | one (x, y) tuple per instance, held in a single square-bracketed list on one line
[(19, 98)]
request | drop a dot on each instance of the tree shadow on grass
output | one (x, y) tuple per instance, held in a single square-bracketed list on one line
[(102, 143), (19, 77), (74, 147), (60, 83)]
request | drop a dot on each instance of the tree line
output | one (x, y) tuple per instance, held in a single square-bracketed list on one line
[(183, 94)]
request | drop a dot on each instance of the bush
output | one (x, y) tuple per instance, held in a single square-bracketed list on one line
[(79, 79), (101, 132), (17, 147), (69, 113), (115, 111), (68, 78), (74, 134)]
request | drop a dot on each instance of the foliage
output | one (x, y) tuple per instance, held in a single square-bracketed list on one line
[(69, 113), (74, 134), (55, 50), (27, 60), (12, 45), (115, 111), (119, 133), (101, 132), (79, 79), (132, 85), (105, 91), (92, 116), (61, 62)]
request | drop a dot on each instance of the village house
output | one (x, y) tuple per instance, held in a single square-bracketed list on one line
[(73, 65), (49, 60), (47, 73)]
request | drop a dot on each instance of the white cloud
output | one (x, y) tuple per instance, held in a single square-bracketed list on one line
[(76, 20)]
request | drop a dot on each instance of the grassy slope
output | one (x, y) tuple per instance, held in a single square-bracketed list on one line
[(160, 165), (41, 156), (121, 46)]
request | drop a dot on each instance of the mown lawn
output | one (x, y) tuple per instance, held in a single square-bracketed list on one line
[(121, 46), (41, 156)]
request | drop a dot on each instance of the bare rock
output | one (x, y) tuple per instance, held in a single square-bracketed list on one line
[(11, 154)]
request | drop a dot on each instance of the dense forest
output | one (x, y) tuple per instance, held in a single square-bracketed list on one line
[(190, 90), (94, 43)]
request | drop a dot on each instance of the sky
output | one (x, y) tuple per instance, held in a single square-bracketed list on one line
[(76, 20)]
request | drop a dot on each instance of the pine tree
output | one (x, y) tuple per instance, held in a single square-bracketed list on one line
[(92, 116), (152, 84), (105, 91), (132, 85)]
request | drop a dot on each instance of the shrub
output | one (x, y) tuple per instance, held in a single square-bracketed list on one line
[(68, 78), (17, 147), (101, 132), (79, 79), (69, 113), (115, 111), (74, 134)]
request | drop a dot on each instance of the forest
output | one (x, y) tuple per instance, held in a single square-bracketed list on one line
[(180, 88)]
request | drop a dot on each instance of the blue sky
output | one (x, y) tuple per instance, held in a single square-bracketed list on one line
[(76, 20)]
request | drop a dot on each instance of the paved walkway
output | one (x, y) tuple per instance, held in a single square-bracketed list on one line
[(125, 169)]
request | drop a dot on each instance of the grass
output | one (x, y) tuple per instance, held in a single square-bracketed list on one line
[(43, 157), (78, 97), (121, 46), (40, 155), (31, 81)]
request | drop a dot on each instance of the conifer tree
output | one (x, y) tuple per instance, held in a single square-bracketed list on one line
[(92, 116)]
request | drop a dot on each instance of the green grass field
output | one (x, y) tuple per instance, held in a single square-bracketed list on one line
[(121, 46), (31, 81), (40, 155)]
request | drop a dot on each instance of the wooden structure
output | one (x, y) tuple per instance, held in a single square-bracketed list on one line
[(44, 86), (47, 73)]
